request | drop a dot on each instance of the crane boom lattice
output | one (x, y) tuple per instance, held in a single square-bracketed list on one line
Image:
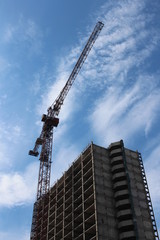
[(59, 101)]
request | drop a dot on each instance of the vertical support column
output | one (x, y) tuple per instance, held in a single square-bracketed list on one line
[(64, 192), (129, 188), (94, 188), (48, 214), (72, 202), (122, 192), (55, 214), (155, 231), (83, 199), (33, 235)]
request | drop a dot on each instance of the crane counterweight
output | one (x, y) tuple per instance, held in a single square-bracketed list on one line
[(33, 153)]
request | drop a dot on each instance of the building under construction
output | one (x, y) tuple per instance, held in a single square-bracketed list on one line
[(102, 196)]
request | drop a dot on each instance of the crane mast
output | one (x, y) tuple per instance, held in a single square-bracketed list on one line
[(50, 120)]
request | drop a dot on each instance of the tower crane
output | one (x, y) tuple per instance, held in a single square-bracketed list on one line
[(51, 120)]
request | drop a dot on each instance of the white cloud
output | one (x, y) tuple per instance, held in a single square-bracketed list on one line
[(35, 87), (122, 109), (10, 132), (4, 156), (4, 64), (14, 235), (131, 109), (2, 100), (27, 32), (4, 96), (115, 66), (17, 130), (31, 30), (18, 188), (130, 99), (32, 35), (10, 140), (9, 137), (121, 45), (8, 33)]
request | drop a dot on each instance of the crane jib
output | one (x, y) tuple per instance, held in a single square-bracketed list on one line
[(57, 103)]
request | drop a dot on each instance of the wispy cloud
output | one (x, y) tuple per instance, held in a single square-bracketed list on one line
[(11, 133), (8, 33), (116, 92), (4, 64), (11, 136), (115, 68), (133, 109), (4, 156), (117, 81), (125, 43), (35, 87), (130, 100), (3, 99), (14, 235), (18, 188), (27, 32)]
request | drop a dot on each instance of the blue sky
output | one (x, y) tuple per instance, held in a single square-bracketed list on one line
[(115, 96)]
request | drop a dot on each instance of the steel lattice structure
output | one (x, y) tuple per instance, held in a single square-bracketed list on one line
[(50, 121)]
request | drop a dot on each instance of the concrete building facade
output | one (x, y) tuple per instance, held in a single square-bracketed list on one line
[(102, 196)]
